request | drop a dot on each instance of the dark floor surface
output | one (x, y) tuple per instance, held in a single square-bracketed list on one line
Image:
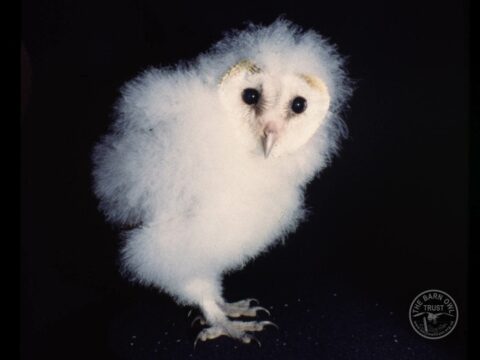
[(330, 321)]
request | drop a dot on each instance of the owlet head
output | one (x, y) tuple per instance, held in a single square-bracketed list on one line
[(279, 111)]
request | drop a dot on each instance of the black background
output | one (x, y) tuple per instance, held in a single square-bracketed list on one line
[(389, 217)]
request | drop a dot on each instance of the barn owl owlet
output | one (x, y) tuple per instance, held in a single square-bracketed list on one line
[(209, 161)]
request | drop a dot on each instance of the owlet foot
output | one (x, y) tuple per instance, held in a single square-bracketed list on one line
[(235, 329), (243, 308)]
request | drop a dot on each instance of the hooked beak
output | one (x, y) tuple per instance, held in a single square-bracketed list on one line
[(268, 141)]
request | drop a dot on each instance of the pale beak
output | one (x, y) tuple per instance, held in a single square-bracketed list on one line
[(268, 141)]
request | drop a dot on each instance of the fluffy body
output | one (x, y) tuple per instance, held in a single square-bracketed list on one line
[(181, 165)]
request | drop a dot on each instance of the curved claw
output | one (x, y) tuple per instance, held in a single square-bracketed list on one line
[(261, 308), (250, 300), (247, 339), (198, 319), (199, 337), (266, 322)]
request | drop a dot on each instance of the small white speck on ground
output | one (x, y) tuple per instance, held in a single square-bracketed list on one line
[(395, 340), (376, 304), (285, 305), (166, 333), (409, 348), (271, 306), (394, 335), (298, 300), (284, 344), (308, 310), (178, 340), (235, 347), (134, 337), (391, 312), (381, 335), (131, 344), (158, 342), (334, 294), (316, 343)]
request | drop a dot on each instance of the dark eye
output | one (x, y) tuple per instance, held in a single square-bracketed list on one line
[(299, 104), (250, 96)]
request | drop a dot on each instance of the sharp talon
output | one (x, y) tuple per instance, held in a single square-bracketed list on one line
[(196, 340), (247, 339), (264, 323), (198, 319), (254, 300), (261, 308)]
